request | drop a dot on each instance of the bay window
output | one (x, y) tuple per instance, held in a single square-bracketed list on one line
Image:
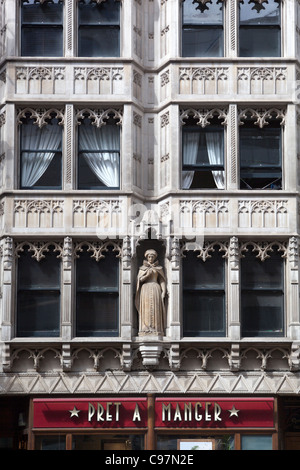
[(42, 28)]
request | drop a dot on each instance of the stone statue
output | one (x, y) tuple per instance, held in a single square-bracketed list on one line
[(150, 296)]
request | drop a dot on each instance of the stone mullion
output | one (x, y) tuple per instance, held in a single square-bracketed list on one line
[(67, 289), (232, 153), (175, 291), (69, 149), (70, 32), (126, 304), (233, 290)]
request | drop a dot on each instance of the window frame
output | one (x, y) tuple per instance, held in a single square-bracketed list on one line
[(103, 291), (220, 292), (41, 25), (256, 168), (198, 27), (259, 291), (29, 116), (35, 333), (103, 26), (108, 115), (267, 27), (192, 126)]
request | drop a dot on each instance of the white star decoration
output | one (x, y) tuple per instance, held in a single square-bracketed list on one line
[(74, 412), (233, 412)]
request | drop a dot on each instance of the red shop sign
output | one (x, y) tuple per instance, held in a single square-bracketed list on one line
[(214, 413), (90, 413)]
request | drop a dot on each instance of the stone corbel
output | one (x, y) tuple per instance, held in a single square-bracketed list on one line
[(151, 353)]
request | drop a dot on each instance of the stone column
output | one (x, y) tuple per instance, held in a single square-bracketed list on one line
[(292, 289), (7, 278)]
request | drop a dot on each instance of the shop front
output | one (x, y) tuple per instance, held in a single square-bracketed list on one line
[(153, 423)]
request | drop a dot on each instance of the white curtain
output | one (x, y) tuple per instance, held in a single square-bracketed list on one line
[(104, 164), (214, 145), (190, 146), (34, 164)]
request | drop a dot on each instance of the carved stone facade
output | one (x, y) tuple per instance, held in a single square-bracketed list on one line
[(150, 91)]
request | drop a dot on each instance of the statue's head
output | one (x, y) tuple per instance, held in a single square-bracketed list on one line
[(150, 255)]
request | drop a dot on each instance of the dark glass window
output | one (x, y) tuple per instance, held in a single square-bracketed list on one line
[(259, 34), (38, 297), (99, 29), (202, 29), (97, 295), (260, 155), (41, 155), (42, 28), (203, 295), (98, 155), (203, 155), (262, 295)]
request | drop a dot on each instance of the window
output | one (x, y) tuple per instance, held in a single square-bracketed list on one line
[(260, 154), (42, 28), (41, 155), (98, 153), (262, 294), (99, 28), (38, 295), (202, 29), (203, 295), (203, 154), (97, 295), (259, 34)]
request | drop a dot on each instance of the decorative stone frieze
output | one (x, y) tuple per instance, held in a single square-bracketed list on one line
[(103, 80), (38, 213), (40, 80)]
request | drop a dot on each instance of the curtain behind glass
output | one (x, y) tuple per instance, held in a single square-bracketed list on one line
[(214, 143), (104, 161), (38, 149), (190, 148)]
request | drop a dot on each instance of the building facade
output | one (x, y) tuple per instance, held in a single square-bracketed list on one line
[(129, 127)]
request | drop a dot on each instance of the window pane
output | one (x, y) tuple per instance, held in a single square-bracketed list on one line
[(262, 314), (101, 275), (262, 274), (206, 275), (42, 29), (99, 41), (50, 443), (97, 314), (106, 13), (99, 29), (203, 313), (41, 162), (42, 41), (260, 42), (266, 14), (46, 14), (256, 442), (202, 42), (41, 274), (38, 313), (193, 15), (260, 151)]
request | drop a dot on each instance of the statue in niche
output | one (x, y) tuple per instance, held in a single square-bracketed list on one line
[(150, 296)]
